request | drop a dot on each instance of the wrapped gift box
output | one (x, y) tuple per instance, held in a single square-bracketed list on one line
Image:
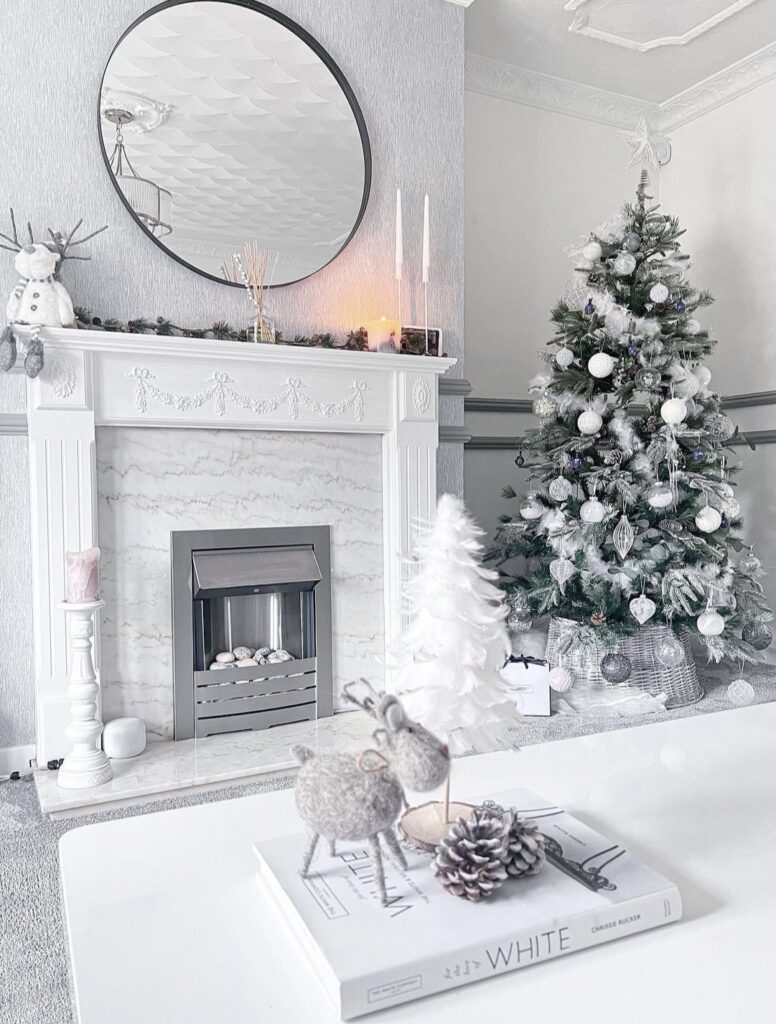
[(528, 680)]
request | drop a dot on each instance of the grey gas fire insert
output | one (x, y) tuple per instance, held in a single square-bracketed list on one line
[(257, 588)]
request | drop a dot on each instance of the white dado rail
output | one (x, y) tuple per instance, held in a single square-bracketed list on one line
[(98, 378)]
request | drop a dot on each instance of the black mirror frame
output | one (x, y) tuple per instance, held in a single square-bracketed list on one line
[(323, 55)]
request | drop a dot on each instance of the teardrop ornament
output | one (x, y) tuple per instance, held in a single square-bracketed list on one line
[(623, 536), (561, 570), (642, 608)]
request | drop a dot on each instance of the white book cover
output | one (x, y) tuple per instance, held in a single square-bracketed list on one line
[(425, 940)]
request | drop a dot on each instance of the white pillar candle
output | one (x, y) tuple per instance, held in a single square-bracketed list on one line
[(426, 242), (383, 335), (399, 237), (83, 578)]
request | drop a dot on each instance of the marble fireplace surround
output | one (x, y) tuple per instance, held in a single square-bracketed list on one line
[(99, 379)]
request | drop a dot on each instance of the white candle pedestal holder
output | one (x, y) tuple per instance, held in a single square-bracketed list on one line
[(87, 764)]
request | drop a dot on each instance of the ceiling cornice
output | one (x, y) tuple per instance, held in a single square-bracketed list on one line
[(534, 89), (531, 88)]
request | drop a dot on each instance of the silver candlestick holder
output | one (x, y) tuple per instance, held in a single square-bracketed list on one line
[(87, 763)]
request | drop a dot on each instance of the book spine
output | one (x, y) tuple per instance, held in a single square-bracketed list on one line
[(518, 949)]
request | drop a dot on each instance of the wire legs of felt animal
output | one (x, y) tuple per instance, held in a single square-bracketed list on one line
[(375, 852)]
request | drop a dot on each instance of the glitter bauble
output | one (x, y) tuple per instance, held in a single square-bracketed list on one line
[(600, 365), (564, 357), (710, 623), (673, 411), (518, 622), (730, 508), (592, 251), (741, 693), (703, 375), (719, 425), (697, 455), (624, 264), (576, 463), (757, 635), (708, 520), (660, 496), (632, 242), (669, 652), (750, 565), (560, 679), (589, 308), (642, 608), (592, 511), (658, 293), (544, 407), (615, 668), (633, 351), (560, 488), (589, 422), (687, 386), (648, 378), (680, 307)]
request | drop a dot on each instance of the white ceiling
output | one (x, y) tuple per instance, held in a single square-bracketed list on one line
[(647, 50)]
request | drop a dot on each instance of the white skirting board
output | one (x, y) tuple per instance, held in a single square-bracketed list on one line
[(13, 759)]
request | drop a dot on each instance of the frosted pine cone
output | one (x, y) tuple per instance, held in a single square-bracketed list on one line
[(526, 853), (470, 860)]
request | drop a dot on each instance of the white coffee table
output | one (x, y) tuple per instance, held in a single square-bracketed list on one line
[(164, 926)]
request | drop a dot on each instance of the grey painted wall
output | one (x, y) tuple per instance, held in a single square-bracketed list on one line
[(404, 60)]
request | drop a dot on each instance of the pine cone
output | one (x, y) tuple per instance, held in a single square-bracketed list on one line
[(526, 850), (470, 860)]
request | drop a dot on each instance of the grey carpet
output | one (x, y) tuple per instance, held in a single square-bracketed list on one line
[(34, 980)]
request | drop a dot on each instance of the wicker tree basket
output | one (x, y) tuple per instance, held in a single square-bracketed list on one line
[(680, 684)]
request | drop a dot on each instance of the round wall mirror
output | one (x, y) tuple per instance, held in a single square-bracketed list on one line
[(223, 123)]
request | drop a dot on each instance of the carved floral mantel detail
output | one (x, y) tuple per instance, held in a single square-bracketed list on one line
[(421, 396), (222, 390), (61, 375)]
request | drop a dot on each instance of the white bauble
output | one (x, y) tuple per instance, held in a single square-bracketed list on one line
[(708, 520), (589, 422), (600, 365), (710, 624), (592, 511), (625, 264), (532, 510), (703, 375), (674, 410), (658, 293), (560, 679), (693, 327), (642, 608), (741, 693), (592, 251), (564, 357), (660, 496)]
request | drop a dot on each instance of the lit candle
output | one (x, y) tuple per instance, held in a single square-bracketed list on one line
[(383, 335), (83, 578), (399, 237), (426, 242)]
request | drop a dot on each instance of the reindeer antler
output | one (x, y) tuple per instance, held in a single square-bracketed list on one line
[(61, 244), (15, 245), (370, 700)]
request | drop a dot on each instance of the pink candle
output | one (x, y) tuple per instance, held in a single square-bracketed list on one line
[(83, 578)]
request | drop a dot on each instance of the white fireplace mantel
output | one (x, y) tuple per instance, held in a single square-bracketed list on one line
[(100, 378)]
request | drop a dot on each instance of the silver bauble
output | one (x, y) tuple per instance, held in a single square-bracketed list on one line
[(741, 693), (658, 293), (757, 635), (648, 379), (615, 668), (669, 652), (719, 425), (660, 495), (564, 357), (632, 242), (543, 407), (624, 264), (518, 622), (560, 488), (750, 565)]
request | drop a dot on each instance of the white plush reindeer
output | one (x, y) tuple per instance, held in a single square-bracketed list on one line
[(360, 796)]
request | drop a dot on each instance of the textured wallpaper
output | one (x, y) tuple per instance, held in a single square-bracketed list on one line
[(17, 702), (404, 60)]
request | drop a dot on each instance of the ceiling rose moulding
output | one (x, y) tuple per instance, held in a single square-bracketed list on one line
[(584, 11), (535, 89)]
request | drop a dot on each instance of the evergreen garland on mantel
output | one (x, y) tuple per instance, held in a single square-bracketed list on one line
[(412, 342)]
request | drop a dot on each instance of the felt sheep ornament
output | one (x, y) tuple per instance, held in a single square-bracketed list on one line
[(39, 299), (359, 796)]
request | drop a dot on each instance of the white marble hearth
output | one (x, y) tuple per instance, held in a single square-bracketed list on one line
[(167, 767)]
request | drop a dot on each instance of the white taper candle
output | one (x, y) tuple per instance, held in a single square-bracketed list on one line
[(399, 237), (426, 242)]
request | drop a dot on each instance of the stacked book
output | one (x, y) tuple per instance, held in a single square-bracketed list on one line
[(368, 957)]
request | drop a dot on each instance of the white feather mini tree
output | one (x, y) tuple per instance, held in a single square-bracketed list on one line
[(448, 660)]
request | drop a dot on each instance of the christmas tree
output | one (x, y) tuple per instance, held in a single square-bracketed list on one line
[(449, 658), (632, 518)]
